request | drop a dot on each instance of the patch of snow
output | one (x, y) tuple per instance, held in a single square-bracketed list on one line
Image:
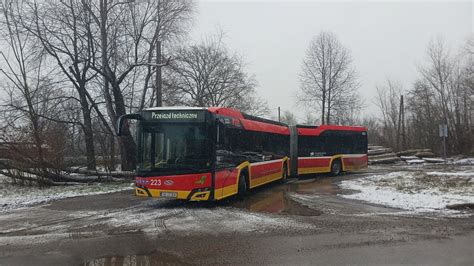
[(415, 161), (434, 160), (417, 192), (468, 174), (15, 196), (405, 158), (465, 161)]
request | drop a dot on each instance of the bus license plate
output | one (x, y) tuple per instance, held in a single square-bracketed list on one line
[(168, 194)]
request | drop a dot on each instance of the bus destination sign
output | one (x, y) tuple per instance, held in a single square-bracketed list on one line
[(176, 116)]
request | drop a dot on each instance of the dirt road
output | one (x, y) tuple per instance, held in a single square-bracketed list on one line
[(300, 222)]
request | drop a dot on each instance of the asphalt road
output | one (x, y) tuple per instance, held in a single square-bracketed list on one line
[(300, 222)]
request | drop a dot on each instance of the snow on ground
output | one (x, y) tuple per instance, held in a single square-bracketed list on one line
[(14, 196), (153, 217), (465, 161), (415, 191), (189, 221), (454, 174)]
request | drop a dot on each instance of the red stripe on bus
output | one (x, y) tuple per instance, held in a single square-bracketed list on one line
[(264, 169), (226, 178), (175, 182), (355, 161)]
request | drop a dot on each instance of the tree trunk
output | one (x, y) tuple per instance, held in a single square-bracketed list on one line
[(87, 128), (127, 144), (127, 150), (89, 139), (112, 152)]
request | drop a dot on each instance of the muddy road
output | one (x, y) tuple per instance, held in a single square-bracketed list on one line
[(301, 222)]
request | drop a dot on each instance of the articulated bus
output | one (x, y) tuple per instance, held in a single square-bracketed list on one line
[(201, 154)]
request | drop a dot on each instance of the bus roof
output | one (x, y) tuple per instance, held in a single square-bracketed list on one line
[(248, 122), (254, 123), (317, 130)]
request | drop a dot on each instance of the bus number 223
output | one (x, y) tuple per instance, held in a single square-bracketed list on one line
[(156, 182)]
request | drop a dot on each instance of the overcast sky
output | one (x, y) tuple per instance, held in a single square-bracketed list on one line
[(386, 39)]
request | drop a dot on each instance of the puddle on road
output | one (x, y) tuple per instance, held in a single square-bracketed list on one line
[(272, 198), (156, 258), (275, 198), (461, 207), (275, 202)]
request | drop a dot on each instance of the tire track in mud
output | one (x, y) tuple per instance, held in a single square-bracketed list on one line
[(160, 222)]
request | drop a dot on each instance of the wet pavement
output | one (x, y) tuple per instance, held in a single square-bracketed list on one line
[(303, 221)]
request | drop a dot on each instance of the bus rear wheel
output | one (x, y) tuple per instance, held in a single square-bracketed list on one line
[(336, 167)]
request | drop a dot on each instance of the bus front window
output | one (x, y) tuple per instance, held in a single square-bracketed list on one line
[(174, 148)]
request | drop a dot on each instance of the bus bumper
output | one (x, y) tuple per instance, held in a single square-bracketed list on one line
[(193, 195)]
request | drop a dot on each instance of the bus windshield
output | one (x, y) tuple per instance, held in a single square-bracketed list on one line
[(174, 148)]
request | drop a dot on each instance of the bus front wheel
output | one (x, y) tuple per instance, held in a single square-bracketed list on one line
[(243, 188), (336, 167)]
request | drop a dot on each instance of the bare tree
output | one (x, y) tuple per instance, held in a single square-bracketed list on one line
[(442, 94), (254, 105), (30, 95), (374, 129), (388, 102), (207, 74), (103, 53), (127, 34), (347, 109), (311, 119), (327, 77), (288, 118), (61, 28)]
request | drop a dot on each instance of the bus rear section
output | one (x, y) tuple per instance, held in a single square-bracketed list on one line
[(328, 149)]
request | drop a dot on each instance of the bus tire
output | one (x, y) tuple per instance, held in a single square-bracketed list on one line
[(284, 173), (243, 184), (336, 167)]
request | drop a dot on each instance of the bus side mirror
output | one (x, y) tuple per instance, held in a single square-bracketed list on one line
[(121, 121)]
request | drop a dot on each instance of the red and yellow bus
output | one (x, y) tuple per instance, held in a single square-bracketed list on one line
[(201, 154)]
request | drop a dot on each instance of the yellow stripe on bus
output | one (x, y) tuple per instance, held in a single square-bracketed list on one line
[(225, 191), (313, 170)]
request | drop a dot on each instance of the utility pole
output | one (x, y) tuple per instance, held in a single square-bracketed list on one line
[(279, 118), (158, 90), (443, 132), (401, 125)]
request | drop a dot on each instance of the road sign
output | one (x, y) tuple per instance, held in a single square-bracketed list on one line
[(443, 131)]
